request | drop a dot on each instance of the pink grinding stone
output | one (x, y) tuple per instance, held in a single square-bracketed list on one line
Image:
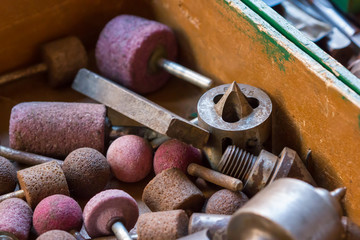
[(125, 46), (107, 207), (15, 217), (57, 212), (130, 158), (175, 154), (57, 128)]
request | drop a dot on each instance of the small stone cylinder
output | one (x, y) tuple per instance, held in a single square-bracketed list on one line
[(7, 176), (162, 225), (41, 181), (170, 190), (56, 234)]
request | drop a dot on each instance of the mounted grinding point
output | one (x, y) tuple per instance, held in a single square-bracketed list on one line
[(56, 234), (103, 213), (7, 176), (15, 217), (162, 225), (41, 181), (87, 172), (225, 202), (170, 190), (175, 154), (57, 128), (125, 47), (57, 212), (130, 158)]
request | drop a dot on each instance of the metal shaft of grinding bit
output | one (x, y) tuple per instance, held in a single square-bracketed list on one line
[(138, 108)]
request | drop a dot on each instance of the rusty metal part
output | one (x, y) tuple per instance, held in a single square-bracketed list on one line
[(138, 108), (234, 114), (201, 235), (352, 231), (17, 194), (258, 171), (144, 132), (215, 223), (25, 157), (289, 209), (215, 177)]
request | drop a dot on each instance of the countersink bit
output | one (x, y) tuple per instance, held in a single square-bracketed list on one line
[(234, 114), (258, 171)]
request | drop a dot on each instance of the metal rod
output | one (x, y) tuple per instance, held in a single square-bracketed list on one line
[(25, 157), (17, 194), (144, 132), (41, 67), (185, 73), (120, 231)]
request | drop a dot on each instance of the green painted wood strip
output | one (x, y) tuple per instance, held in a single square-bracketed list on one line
[(290, 32)]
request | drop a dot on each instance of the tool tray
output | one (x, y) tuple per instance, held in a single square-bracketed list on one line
[(316, 102)]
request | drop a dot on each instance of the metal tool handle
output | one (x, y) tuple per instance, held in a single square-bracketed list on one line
[(25, 157), (215, 177), (17, 194), (41, 67), (185, 73), (120, 231)]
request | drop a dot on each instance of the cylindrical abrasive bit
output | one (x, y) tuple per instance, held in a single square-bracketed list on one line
[(87, 172), (225, 202), (41, 181), (162, 225), (57, 128), (57, 212), (170, 190), (15, 217), (108, 208), (56, 234), (124, 49), (7, 176)]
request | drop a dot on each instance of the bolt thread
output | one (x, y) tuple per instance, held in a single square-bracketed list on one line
[(237, 163)]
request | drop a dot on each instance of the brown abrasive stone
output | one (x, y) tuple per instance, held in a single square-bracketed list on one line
[(162, 225), (41, 181), (7, 176), (57, 128), (56, 235), (64, 58), (170, 190), (225, 202), (87, 172)]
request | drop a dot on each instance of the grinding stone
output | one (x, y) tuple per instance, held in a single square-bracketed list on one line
[(87, 172), (162, 225), (56, 235), (57, 128), (124, 48), (130, 158), (57, 212), (41, 181), (170, 190), (225, 202), (7, 176), (15, 217), (105, 208)]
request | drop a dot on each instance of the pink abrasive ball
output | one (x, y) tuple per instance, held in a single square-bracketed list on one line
[(130, 158), (175, 154), (57, 212)]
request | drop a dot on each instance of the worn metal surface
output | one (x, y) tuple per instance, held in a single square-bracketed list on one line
[(256, 172), (289, 209), (138, 108), (215, 223), (215, 177), (234, 114)]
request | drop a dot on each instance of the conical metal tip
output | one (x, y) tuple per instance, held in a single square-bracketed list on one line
[(338, 193), (233, 105)]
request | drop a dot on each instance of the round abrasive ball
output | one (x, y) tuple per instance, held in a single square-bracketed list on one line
[(130, 158), (175, 154), (107, 207), (56, 235), (15, 217), (87, 172), (57, 212), (225, 202), (124, 50), (7, 176)]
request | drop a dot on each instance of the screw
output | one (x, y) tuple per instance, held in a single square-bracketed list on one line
[(258, 171)]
